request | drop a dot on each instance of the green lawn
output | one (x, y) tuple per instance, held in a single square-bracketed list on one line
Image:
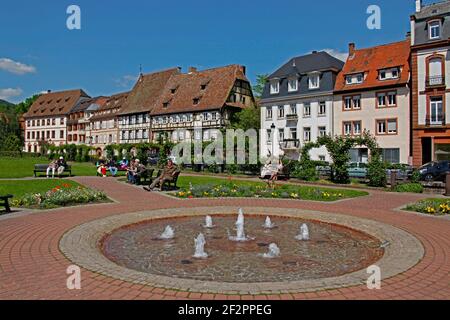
[(23, 167), (19, 188), (183, 181)]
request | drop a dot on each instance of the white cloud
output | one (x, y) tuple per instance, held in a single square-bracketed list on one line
[(126, 81), (6, 94), (15, 67), (337, 54)]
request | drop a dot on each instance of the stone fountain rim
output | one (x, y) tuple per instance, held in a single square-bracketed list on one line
[(81, 246)]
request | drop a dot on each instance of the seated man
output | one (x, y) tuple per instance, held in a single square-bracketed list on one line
[(62, 165), (169, 172), (140, 170), (52, 167), (131, 171)]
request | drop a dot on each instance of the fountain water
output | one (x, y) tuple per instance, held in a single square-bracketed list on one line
[(268, 224), (240, 231), (304, 233), (200, 247), (208, 223), (168, 233), (274, 252)]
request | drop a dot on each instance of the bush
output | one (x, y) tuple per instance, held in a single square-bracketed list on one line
[(415, 177), (410, 188), (376, 172)]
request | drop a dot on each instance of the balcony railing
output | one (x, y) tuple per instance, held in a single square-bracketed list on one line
[(292, 117), (290, 144), (439, 120), (435, 81)]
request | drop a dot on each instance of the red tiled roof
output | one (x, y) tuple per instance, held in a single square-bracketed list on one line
[(147, 91), (370, 61), (116, 101), (55, 103), (211, 87)]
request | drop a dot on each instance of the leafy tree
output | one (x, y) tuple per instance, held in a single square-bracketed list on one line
[(11, 143), (248, 118), (261, 81), (24, 106)]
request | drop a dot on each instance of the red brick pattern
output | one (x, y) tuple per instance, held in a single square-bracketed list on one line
[(32, 267)]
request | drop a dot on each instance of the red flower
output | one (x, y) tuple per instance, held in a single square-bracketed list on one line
[(190, 197)]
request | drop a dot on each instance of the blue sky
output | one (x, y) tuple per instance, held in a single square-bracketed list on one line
[(38, 52)]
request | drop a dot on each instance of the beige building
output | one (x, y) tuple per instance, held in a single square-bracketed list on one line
[(104, 128), (46, 121), (372, 94)]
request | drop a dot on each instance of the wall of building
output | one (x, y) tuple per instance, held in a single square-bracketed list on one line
[(370, 113), (54, 130)]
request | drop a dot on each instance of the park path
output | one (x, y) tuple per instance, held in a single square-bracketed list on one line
[(32, 266)]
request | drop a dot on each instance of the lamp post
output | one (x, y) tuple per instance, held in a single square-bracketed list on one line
[(273, 127)]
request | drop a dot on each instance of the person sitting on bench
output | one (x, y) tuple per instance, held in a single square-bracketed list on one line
[(62, 165), (170, 170), (52, 167), (112, 167)]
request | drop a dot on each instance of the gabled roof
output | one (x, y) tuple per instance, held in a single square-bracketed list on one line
[(147, 91), (432, 10), (371, 60), (85, 103), (116, 101), (211, 88), (315, 61), (56, 103)]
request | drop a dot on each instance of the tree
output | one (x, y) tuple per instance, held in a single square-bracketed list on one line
[(11, 143), (248, 118), (24, 106), (261, 81)]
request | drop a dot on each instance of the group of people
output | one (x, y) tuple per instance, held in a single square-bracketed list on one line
[(56, 166)]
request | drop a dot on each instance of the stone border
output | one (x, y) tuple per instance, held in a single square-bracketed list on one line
[(81, 246)]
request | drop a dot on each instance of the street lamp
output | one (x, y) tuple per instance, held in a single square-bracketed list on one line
[(273, 127)]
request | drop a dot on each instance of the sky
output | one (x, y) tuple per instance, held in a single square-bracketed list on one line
[(39, 53)]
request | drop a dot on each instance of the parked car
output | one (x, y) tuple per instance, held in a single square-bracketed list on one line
[(435, 171), (357, 170), (404, 171)]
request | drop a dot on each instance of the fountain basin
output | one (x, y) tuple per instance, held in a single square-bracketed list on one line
[(87, 251)]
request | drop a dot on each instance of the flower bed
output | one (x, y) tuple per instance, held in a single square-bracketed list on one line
[(232, 190), (431, 206), (60, 196)]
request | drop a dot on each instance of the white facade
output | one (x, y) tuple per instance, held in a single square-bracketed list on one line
[(297, 122), (51, 130)]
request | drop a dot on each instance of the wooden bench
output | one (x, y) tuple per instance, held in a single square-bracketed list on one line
[(42, 168), (172, 185), (5, 202), (144, 176)]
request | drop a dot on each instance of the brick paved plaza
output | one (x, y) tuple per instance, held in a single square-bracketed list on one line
[(32, 265)]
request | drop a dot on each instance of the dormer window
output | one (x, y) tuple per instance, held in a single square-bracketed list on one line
[(434, 28), (292, 84), (314, 81), (274, 87), (173, 90), (165, 105), (389, 74), (196, 101), (354, 78)]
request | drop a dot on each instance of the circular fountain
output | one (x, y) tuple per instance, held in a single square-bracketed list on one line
[(328, 251)]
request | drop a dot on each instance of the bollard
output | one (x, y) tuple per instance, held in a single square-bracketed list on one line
[(393, 180), (447, 185)]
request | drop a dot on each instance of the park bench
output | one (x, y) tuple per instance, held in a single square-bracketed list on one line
[(172, 185), (5, 202), (144, 176), (42, 168)]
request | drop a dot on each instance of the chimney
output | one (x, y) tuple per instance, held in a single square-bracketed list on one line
[(243, 69), (418, 6), (351, 49), (314, 52), (192, 69), (49, 91), (408, 35)]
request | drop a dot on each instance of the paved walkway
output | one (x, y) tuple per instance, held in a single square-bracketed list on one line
[(32, 267)]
